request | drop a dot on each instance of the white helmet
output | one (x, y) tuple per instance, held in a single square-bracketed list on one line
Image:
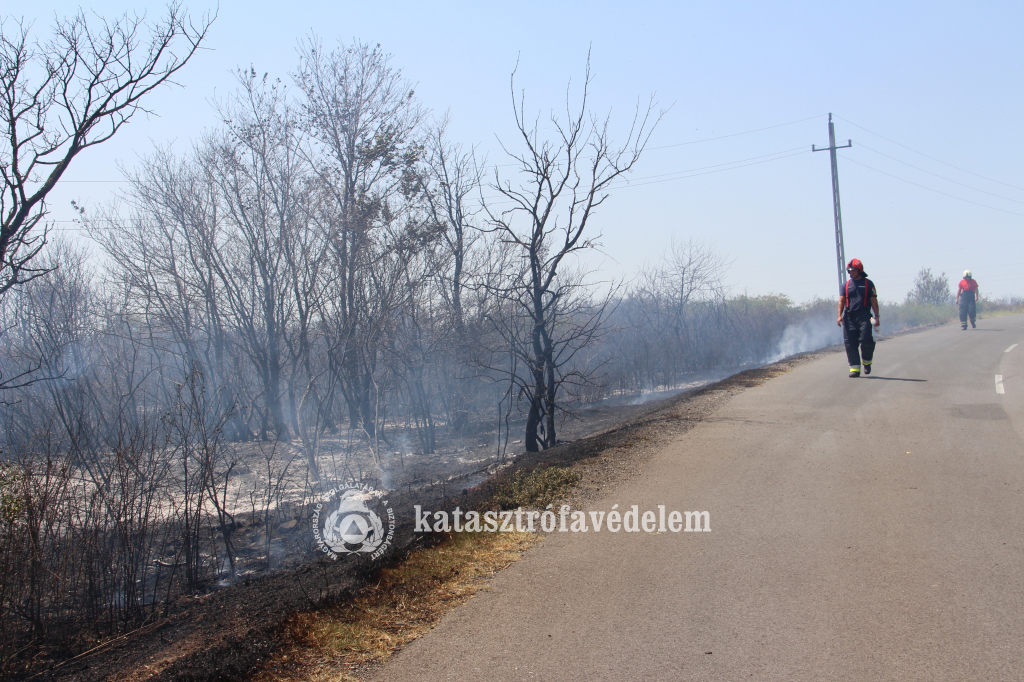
[(967, 274)]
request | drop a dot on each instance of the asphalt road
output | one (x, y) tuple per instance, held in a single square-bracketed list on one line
[(862, 529)]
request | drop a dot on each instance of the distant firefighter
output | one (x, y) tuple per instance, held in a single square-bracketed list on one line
[(858, 309), (966, 298)]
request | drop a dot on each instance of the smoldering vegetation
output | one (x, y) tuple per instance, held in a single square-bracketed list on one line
[(170, 448), (142, 462), (318, 291)]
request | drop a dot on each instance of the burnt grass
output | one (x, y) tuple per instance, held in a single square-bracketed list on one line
[(226, 634)]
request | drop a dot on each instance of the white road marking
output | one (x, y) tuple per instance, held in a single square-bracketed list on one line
[(999, 384), (1010, 348)]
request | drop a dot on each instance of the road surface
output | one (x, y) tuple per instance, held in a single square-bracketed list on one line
[(861, 529)]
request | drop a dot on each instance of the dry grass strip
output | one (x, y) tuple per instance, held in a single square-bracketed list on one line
[(408, 599)]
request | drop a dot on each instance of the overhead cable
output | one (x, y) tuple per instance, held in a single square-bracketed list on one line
[(941, 177), (946, 163), (930, 189)]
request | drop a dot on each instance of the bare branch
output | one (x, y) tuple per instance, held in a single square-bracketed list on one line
[(68, 94)]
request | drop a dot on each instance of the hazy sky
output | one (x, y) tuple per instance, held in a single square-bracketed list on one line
[(930, 92)]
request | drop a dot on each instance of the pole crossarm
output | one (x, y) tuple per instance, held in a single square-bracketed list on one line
[(849, 143)]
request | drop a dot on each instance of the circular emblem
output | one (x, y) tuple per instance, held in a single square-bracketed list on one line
[(345, 521)]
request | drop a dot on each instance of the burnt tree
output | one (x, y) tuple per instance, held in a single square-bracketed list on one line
[(558, 188)]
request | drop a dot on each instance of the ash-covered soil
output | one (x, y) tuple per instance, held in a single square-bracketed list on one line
[(225, 634)]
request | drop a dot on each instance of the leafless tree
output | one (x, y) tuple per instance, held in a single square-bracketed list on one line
[(560, 186), (364, 121), (575, 321), (260, 177), (66, 95), (691, 273), (452, 178), (318, 253)]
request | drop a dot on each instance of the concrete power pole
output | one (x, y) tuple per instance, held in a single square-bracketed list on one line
[(840, 253)]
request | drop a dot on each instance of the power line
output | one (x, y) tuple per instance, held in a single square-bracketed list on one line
[(985, 177), (746, 132), (720, 170), (941, 177), (507, 165), (688, 173), (951, 196), (626, 184), (717, 165)]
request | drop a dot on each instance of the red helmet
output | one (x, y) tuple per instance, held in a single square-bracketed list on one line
[(855, 264)]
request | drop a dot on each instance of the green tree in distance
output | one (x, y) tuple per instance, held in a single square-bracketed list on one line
[(929, 289)]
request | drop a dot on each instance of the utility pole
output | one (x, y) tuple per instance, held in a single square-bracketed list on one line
[(840, 253)]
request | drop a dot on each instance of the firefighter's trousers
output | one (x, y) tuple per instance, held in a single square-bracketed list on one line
[(967, 309), (860, 344)]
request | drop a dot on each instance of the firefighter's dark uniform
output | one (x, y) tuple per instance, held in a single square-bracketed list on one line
[(857, 322), (968, 297)]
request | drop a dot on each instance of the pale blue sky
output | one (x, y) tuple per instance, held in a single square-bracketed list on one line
[(940, 78)]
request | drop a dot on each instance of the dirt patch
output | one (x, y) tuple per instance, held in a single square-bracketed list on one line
[(229, 634)]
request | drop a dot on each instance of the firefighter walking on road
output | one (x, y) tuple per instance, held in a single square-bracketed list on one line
[(858, 309), (966, 298)]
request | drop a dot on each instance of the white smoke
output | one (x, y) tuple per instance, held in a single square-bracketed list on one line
[(807, 335)]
